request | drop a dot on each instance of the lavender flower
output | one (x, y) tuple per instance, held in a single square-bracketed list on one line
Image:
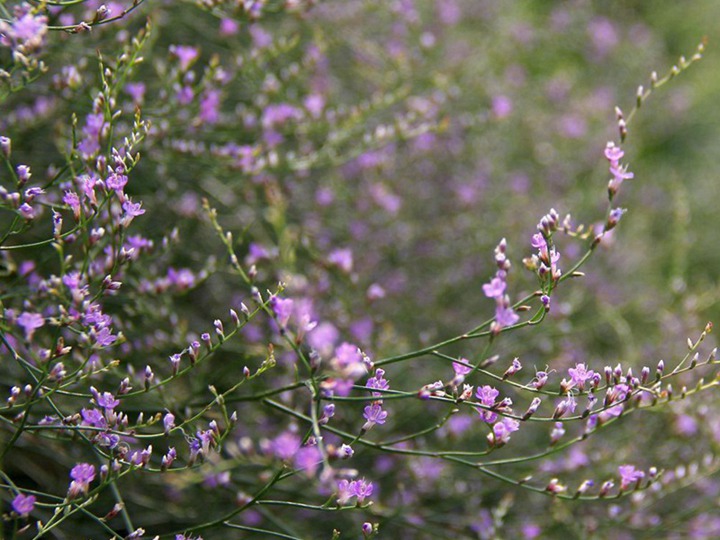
[(82, 474), (374, 414), (487, 396), (629, 476), (30, 322), (23, 505)]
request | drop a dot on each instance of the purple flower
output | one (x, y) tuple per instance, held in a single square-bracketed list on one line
[(278, 113), (579, 375), (487, 396), (314, 103), (286, 445), (93, 418), (629, 476), (210, 107), (27, 211), (342, 258), (502, 106), (308, 458), (23, 173), (82, 474), (361, 489), (169, 422), (116, 182), (136, 91), (496, 287), (228, 27), (538, 242), (23, 504), (461, 369), (323, 338), (73, 201), (104, 337), (26, 34), (185, 54), (345, 492), (107, 401), (132, 210), (613, 153), (378, 382), (505, 316), (92, 130), (503, 429), (185, 95), (349, 360), (30, 322), (566, 405), (374, 414), (513, 369), (283, 309)]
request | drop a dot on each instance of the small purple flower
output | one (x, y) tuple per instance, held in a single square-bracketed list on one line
[(207, 439), (169, 422), (210, 107), (107, 401), (136, 91), (579, 375), (503, 429), (378, 382), (82, 474), (629, 476), (344, 492), (30, 322), (374, 414), (286, 445), (104, 337), (487, 395), (557, 432), (614, 217), (323, 338), (538, 242), (513, 369), (132, 210), (27, 211), (23, 504), (505, 316), (185, 95), (613, 153), (167, 459), (26, 33), (496, 287), (461, 369), (361, 489), (283, 309), (349, 360), (567, 405), (502, 106), (185, 54), (116, 182), (342, 258), (93, 418), (73, 201), (308, 458), (278, 113)]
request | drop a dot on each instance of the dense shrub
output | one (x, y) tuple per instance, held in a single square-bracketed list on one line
[(298, 269)]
